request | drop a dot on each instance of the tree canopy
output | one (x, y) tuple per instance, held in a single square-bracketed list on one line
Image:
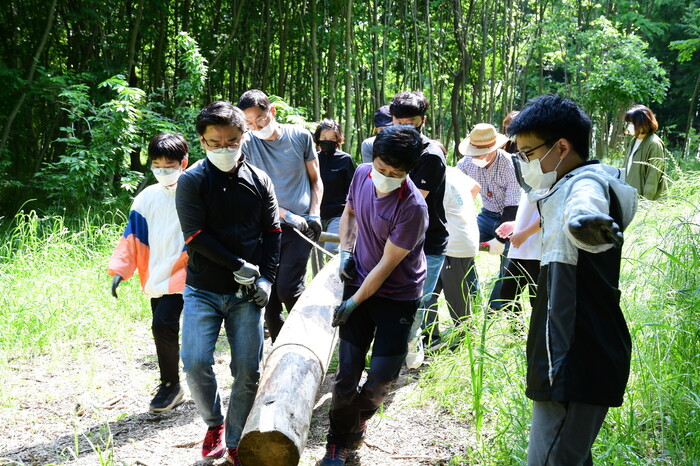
[(87, 82)]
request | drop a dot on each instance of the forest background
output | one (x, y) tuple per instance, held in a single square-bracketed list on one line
[(87, 83)]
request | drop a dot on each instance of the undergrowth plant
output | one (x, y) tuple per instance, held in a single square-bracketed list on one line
[(55, 298)]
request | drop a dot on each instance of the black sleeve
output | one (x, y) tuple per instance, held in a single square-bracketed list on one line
[(429, 172), (509, 213), (271, 234), (192, 212), (350, 173)]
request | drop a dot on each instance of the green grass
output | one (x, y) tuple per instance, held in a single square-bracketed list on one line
[(659, 422), (56, 303), (56, 299)]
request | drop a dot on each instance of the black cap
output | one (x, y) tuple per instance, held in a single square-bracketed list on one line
[(382, 117)]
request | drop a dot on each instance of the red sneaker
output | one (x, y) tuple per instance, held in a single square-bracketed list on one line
[(233, 457), (213, 445)]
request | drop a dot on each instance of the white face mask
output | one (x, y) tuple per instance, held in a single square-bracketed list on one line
[(481, 163), (533, 175), (224, 160), (267, 131), (385, 184), (630, 129), (167, 176)]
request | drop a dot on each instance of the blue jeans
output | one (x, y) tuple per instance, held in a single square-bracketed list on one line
[(435, 262), (488, 222), (204, 311)]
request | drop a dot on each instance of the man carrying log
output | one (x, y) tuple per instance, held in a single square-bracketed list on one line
[(228, 213), (382, 231)]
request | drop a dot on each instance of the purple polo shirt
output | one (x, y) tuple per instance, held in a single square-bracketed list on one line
[(401, 216)]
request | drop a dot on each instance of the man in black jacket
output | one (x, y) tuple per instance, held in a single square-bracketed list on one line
[(228, 213)]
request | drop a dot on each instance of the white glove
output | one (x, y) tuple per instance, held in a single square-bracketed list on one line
[(247, 274), (496, 247)]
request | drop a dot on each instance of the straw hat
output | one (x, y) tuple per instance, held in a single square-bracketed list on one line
[(483, 139)]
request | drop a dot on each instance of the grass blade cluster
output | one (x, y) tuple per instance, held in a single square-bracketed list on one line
[(55, 290)]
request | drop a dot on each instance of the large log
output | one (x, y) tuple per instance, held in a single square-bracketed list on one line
[(277, 428)]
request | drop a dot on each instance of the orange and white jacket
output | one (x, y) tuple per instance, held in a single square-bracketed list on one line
[(153, 244)]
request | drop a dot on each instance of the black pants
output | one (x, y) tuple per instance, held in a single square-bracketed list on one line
[(166, 330), (388, 322), (519, 274), (454, 283), (289, 285)]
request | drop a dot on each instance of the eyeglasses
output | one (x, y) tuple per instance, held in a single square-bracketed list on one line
[(219, 148), (164, 171), (525, 156), (260, 122)]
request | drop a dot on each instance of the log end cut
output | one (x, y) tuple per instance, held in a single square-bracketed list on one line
[(267, 449)]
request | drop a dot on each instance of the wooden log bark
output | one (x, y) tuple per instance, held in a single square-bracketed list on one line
[(277, 428)]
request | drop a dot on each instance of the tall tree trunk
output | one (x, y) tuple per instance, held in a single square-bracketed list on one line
[(416, 41), (332, 92), (314, 61), (431, 82), (348, 68), (692, 107), (131, 51), (30, 76), (281, 63)]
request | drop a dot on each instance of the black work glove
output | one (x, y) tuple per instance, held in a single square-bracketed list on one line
[(116, 280), (596, 230), (341, 314), (347, 269), (263, 288), (313, 232)]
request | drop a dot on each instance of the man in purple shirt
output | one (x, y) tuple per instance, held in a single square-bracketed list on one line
[(384, 222)]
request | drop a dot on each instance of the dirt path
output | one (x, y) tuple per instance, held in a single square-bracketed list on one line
[(96, 412)]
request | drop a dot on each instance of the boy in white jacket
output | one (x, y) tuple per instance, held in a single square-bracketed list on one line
[(152, 243)]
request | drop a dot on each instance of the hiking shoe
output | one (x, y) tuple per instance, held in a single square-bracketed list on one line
[(213, 445), (232, 457), (335, 455), (434, 345), (167, 397), (416, 355)]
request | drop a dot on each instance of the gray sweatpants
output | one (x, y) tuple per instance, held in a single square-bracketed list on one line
[(563, 433)]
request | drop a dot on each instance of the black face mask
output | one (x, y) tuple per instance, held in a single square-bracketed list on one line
[(327, 146)]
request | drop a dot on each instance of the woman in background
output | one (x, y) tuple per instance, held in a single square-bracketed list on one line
[(645, 161), (337, 169)]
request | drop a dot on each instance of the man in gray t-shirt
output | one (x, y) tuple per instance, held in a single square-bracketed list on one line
[(286, 153)]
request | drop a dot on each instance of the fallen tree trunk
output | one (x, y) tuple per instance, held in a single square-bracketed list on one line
[(277, 428)]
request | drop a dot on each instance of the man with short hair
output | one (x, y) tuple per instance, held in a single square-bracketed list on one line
[(286, 153), (382, 119), (410, 108), (578, 346), (382, 231), (228, 213)]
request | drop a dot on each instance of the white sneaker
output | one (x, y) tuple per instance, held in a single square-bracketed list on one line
[(415, 356)]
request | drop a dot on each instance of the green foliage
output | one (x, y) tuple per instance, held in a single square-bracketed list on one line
[(618, 71), (98, 142), (101, 138), (55, 296), (691, 25)]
